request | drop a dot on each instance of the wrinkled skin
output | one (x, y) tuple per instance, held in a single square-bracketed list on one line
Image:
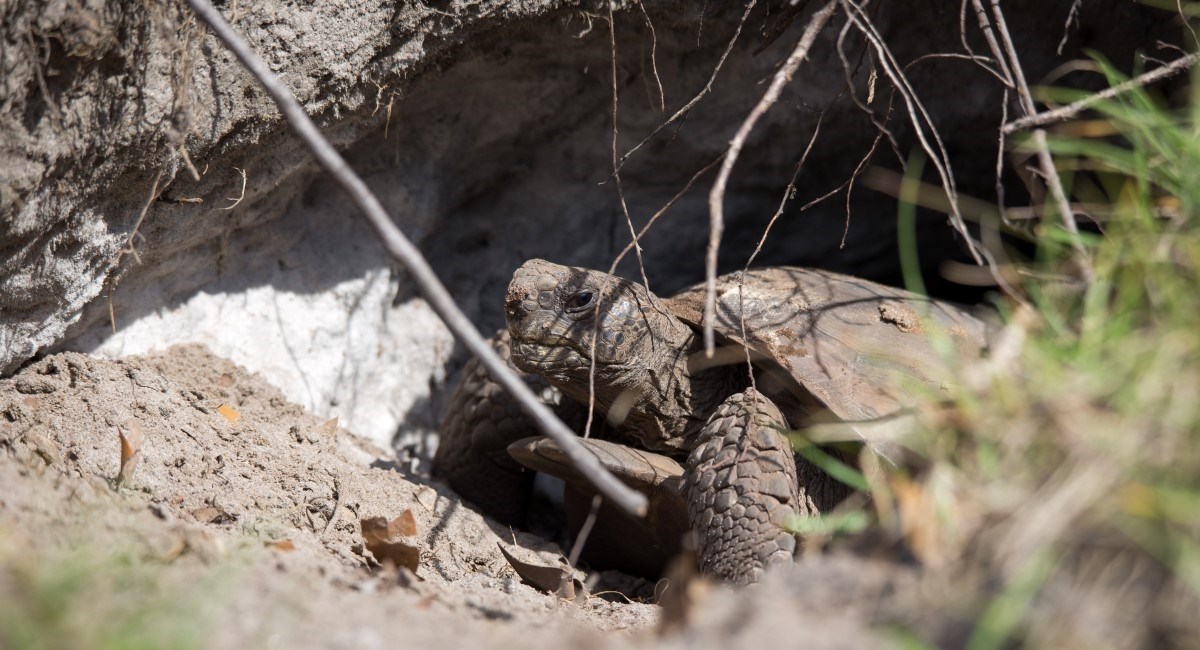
[(560, 318)]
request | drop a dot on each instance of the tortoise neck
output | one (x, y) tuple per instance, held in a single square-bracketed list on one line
[(676, 400)]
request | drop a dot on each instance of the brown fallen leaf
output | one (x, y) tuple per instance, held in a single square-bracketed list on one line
[(212, 515), (229, 413), (131, 450), (393, 540), (225, 380), (282, 545), (553, 579), (328, 427), (919, 519)]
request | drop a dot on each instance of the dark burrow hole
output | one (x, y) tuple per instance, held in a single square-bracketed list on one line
[(517, 151)]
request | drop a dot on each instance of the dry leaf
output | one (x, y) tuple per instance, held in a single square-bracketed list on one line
[(282, 545), (43, 447), (328, 427), (229, 413), (225, 380), (404, 525), (32, 403), (555, 579), (919, 519), (131, 450), (392, 540), (427, 496), (212, 515)]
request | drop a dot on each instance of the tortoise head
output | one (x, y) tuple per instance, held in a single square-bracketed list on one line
[(562, 318)]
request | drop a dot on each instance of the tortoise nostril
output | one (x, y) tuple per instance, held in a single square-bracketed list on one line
[(515, 306)]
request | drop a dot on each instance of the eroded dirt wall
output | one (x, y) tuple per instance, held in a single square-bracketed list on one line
[(487, 130)]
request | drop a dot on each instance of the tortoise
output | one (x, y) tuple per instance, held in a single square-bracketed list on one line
[(703, 437)]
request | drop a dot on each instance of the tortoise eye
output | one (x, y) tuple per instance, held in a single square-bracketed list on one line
[(581, 300)]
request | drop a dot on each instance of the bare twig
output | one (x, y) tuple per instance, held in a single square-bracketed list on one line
[(187, 161), (1073, 109), (585, 531), (241, 196), (130, 248), (923, 125), (402, 250), (1072, 17), (849, 71), (716, 196), (637, 248), (1053, 182), (1000, 142), (858, 170), (1187, 23), (663, 210), (616, 171), (703, 91), (662, 99), (1002, 74), (789, 191)]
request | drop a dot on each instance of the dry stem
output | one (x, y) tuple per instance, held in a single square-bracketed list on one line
[(716, 196), (700, 95), (402, 250), (1053, 182), (1073, 109), (931, 141)]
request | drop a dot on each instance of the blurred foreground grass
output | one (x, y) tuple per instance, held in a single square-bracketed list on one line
[(1062, 508), (83, 593)]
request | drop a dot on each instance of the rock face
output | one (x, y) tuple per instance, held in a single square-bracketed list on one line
[(145, 178)]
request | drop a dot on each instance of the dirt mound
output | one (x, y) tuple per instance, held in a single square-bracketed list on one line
[(241, 524), (233, 474)]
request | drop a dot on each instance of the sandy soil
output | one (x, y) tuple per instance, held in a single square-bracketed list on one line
[(247, 510)]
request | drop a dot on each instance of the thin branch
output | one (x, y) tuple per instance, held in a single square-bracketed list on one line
[(616, 171), (716, 196), (130, 248), (849, 71), (662, 98), (585, 531), (789, 192), (1002, 74), (1072, 17), (637, 247), (241, 196), (920, 119), (1187, 23), (402, 250), (1053, 182), (1000, 145), (663, 210), (862, 164), (1073, 109), (682, 112)]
